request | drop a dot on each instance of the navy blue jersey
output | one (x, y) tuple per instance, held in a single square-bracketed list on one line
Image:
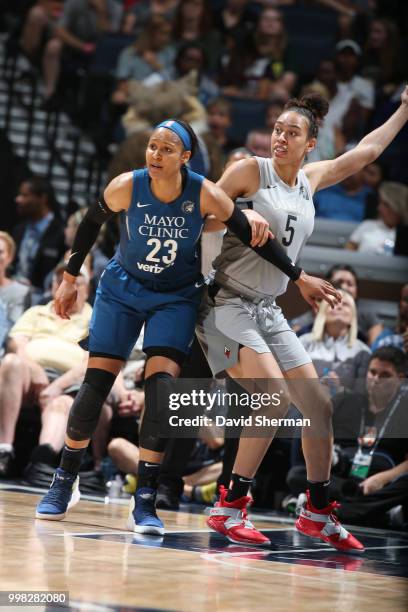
[(160, 243)]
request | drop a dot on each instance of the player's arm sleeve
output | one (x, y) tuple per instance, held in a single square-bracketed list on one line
[(87, 233), (271, 250)]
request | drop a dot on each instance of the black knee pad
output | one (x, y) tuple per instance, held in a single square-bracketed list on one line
[(86, 409), (166, 351), (157, 388)]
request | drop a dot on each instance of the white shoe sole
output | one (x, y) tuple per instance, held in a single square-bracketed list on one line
[(268, 543), (75, 497), (144, 529)]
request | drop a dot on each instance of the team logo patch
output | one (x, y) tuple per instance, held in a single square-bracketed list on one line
[(187, 206), (303, 193), (227, 352)]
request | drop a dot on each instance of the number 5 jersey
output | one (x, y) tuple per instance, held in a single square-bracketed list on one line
[(290, 213)]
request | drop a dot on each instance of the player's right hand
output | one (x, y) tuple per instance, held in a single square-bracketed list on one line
[(314, 290), (65, 298)]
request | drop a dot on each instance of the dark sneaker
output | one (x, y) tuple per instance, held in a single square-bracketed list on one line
[(142, 513), (62, 495)]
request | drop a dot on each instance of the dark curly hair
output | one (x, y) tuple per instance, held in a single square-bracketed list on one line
[(312, 106)]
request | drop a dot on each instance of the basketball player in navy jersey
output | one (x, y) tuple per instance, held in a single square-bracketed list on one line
[(246, 319), (154, 279)]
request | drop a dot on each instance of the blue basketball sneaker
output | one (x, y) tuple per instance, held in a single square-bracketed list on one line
[(62, 495), (142, 513)]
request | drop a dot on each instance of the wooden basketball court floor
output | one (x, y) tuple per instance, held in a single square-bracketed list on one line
[(104, 567)]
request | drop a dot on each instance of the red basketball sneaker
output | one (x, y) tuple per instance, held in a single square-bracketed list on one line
[(325, 525), (231, 520)]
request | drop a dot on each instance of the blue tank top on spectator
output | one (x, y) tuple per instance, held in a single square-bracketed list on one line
[(335, 203), (160, 243)]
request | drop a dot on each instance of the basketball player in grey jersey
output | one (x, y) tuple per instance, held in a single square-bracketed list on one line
[(240, 314)]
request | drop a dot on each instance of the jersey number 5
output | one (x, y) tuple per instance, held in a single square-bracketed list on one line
[(168, 259), (289, 228)]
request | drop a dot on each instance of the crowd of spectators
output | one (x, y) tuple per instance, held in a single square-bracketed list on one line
[(204, 61)]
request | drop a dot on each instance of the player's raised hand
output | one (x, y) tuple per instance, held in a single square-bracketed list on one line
[(314, 290), (65, 297), (259, 226)]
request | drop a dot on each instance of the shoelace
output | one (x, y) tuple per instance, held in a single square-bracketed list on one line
[(245, 519)]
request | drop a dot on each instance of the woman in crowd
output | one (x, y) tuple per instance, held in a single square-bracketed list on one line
[(14, 296), (344, 277), (377, 236), (334, 347)]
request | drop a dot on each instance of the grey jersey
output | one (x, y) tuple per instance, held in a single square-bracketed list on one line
[(290, 213)]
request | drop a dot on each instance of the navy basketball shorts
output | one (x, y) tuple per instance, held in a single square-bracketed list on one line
[(123, 305)]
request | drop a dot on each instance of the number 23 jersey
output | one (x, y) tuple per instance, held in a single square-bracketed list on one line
[(290, 213), (160, 242)]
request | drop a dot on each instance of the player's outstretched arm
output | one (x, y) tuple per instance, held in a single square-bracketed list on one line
[(116, 197), (325, 173)]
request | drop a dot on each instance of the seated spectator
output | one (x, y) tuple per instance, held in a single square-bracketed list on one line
[(348, 56), (378, 235), (397, 337), (234, 21), (258, 141), (260, 66), (382, 60), (14, 296), (150, 59), (75, 37), (333, 345), (42, 346), (374, 175), (370, 463), (39, 26), (193, 22), (330, 141), (40, 235), (219, 121), (138, 16), (346, 201), (191, 56), (344, 277)]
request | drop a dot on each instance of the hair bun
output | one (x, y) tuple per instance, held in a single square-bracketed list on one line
[(316, 104)]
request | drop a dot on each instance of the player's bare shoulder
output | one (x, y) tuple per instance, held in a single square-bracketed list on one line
[(118, 193), (241, 178)]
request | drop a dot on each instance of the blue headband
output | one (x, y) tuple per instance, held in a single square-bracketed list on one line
[(178, 129)]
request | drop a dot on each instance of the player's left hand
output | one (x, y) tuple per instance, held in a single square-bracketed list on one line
[(259, 226), (315, 289)]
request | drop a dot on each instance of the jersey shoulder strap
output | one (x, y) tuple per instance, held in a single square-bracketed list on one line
[(266, 172), (139, 188)]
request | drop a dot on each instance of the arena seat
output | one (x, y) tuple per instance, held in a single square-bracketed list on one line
[(331, 233), (318, 260), (246, 115)]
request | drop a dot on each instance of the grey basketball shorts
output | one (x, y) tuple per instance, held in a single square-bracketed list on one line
[(229, 321)]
